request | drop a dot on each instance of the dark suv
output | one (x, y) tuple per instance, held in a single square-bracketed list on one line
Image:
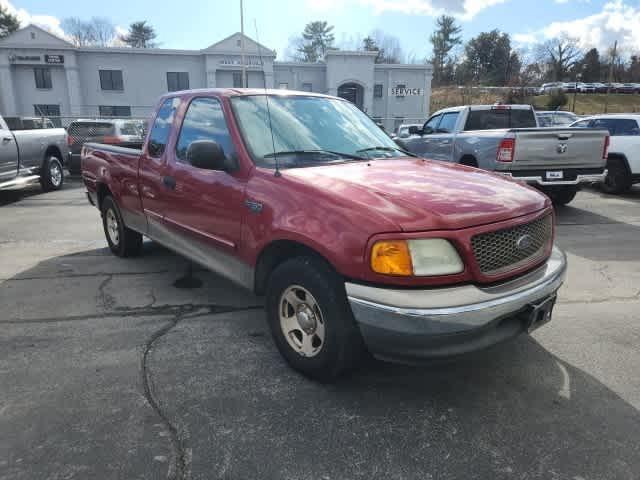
[(121, 132)]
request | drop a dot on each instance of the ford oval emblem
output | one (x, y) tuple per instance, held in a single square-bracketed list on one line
[(524, 242)]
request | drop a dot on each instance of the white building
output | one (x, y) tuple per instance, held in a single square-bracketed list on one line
[(42, 74)]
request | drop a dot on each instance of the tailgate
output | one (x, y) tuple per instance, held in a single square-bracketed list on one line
[(558, 148)]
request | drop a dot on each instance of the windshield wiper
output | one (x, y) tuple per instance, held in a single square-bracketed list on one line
[(312, 152), (386, 149)]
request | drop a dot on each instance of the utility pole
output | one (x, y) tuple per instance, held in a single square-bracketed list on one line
[(613, 58), (242, 59)]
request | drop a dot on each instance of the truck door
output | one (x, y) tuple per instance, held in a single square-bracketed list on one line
[(421, 144), (204, 207), (441, 141), (8, 153)]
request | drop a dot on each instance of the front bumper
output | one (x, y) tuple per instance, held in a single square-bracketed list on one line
[(409, 325), (574, 178)]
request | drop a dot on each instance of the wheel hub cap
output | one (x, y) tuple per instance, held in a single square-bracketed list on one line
[(301, 321)]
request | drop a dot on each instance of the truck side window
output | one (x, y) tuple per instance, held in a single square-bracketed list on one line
[(432, 123), (204, 120), (448, 122), (162, 127)]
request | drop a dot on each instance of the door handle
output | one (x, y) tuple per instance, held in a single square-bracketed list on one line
[(6, 139), (169, 182)]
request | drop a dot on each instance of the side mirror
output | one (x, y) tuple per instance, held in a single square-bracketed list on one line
[(413, 130), (206, 154), (427, 131)]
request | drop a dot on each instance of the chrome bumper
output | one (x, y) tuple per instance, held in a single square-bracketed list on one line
[(404, 324), (538, 180)]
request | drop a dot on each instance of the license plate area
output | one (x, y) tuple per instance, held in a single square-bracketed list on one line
[(540, 313), (555, 175)]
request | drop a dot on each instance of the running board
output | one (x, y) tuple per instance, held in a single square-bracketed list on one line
[(19, 182)]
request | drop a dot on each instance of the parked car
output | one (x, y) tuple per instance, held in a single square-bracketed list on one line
[(555, 118), (550, 87), (627, 88), (403, 130), (28, 123), (355, 244), (600, 87), (623, 162), (123, 132), (570, 87), (587, 88), (32, 155), (506, 139)]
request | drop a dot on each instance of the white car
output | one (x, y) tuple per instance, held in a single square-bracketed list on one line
[(555, 118), (623, 163)]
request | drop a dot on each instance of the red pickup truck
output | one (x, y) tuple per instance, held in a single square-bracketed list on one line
[(356, 244)]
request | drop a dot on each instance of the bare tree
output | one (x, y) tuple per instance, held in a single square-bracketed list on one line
[(80, 31), (560, 54), (104, 32), (389, 46)]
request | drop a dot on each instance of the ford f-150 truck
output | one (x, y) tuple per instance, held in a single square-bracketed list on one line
[(506, 139), (356, 244), (32, 155)]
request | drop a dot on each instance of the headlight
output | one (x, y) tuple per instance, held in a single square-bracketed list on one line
[(420, 257)]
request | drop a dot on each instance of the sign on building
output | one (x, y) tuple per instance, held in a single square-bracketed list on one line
[(54, 59), (406, 92)]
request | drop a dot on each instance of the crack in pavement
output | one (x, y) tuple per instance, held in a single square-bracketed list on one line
[(81, 275), (181, 467), (148, 311)]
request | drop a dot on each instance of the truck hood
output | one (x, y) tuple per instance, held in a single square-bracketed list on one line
[(421, 195)]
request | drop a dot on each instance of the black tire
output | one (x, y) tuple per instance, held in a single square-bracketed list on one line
[(52, 174), (122, 241), (562, 195), (342, 347), (618, 179), (469, 161)]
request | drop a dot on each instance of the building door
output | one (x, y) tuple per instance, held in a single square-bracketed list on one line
[(353, 93)]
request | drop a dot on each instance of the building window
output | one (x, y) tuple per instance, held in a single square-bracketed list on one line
[(283, 86), (377, 90), (50, 111), (399, 88), (177, 81), (43, 77), (111, 80), (307, 87), (237, 80), (114, 111)]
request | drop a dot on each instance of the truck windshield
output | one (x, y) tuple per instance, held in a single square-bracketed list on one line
[(500, 118), (306, 128)]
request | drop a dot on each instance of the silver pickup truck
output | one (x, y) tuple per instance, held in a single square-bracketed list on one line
[(506, 139), (32, 155)]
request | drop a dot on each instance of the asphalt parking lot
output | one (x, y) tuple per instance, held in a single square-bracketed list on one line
[(109, 368)]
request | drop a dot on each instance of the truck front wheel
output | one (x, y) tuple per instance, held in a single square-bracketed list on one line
[(122, 241), (52, 175), (561, 195), (311, 320)]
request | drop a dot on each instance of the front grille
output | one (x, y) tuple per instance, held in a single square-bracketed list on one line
[(500, 251)]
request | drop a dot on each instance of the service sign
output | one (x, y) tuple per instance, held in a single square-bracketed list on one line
[(24, 58), (54, 59), (406, 92)]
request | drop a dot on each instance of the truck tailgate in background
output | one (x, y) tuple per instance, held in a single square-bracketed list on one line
[(558, 148)]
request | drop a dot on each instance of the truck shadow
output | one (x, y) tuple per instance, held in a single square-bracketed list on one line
[(514, 411), (7, 197)]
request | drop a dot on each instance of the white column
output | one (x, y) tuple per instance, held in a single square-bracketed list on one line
[(7, 92)]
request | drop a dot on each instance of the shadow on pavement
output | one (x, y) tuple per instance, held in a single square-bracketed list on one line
[(514, 411)]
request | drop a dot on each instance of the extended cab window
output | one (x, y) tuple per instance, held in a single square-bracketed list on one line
[(448, 122), (500, 118), (204, 120), (162, 127)]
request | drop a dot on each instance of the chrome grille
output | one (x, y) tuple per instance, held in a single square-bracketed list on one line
[(499, 252)]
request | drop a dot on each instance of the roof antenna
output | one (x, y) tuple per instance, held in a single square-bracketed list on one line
[(266, 98)]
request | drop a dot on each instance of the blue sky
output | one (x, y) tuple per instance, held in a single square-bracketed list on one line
[(199, 23)]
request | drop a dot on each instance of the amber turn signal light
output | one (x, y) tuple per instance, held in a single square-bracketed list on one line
[(391, 257)]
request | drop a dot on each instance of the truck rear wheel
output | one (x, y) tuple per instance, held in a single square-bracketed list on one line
[(561, 195), (618, 179), (311, 320), (52, 175), (122, 241)]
